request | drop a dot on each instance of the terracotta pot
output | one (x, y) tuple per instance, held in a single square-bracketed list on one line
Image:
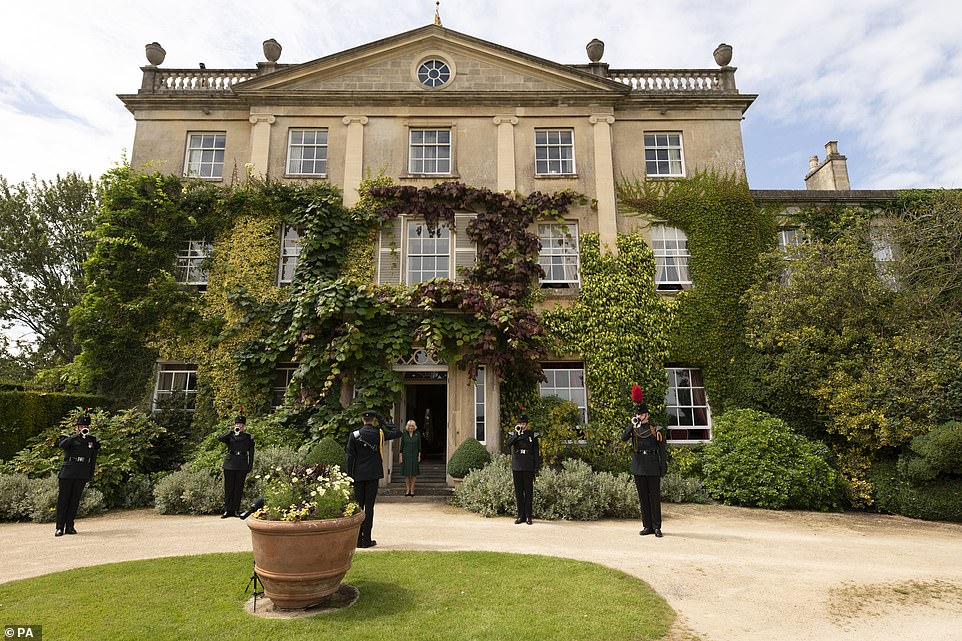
[(301, 563), (723, 54), (155, 53)]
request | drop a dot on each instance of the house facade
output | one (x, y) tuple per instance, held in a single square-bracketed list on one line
[(433, 105)]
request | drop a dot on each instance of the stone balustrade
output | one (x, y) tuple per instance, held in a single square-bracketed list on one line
[(188, 81), (677, 81)]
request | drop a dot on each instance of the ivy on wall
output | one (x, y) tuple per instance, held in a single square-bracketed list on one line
[(726, 232)]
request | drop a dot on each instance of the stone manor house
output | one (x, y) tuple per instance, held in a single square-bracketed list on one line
[(432, 105)]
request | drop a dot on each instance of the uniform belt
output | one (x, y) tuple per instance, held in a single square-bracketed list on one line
[(239, 453), (78, 459), (522, 451), (647, 452)]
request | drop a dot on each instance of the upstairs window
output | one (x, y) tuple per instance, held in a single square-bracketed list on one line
[(430, 151), (307, 152), (670, 246), (554, 151), (191, 266), (205, 155), (689, 417), (290, 254), (663, 155), (428, 252), (283, 374), (176, 381), (559, 254)]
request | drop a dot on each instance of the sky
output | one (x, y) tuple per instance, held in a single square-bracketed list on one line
[(883, 77)]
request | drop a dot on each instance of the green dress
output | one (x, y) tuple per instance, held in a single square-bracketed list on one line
[(410, 448)]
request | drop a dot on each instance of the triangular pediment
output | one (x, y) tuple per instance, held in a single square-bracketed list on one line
[(390, 66)]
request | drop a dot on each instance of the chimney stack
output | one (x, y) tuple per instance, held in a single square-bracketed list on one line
[(831, 174)]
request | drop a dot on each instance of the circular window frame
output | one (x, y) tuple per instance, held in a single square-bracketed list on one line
[(429, 57)]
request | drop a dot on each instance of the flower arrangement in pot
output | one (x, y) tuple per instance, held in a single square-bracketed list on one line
[(305, 534)]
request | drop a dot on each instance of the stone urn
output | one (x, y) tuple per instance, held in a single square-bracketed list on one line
[(272, 50), (723, 55), (595, 49), (155, 53), (300, 563)]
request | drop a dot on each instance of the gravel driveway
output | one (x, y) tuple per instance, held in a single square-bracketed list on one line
[(733, 574)]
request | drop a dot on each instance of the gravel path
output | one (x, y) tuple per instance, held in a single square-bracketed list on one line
[(732, 574)]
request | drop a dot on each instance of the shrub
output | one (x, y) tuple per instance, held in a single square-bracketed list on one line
[(268, 432), (686, 461), (138, 491), (676, 488), (756, 460), (45, 500), (327, 452), (935, 454), (558, 421), (469, 456), (490, 490), (189, 491), (16, 502), (939, 500)]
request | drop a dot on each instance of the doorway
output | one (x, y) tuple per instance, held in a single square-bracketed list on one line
[(426, 403)]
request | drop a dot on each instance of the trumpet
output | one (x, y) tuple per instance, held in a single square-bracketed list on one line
[(519, 428), (85, 431), (237, 431), (635, 421)]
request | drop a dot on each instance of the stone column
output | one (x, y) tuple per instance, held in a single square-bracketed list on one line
[(506, 167), (260, 142), (353, 158), (605, 181)]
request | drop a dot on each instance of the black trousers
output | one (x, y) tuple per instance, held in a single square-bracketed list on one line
[(649, 496), (68, 501), (365, 493), (524, 493), (233, 490)]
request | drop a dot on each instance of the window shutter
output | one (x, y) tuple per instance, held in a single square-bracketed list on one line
[(389, 252), (465, 251)]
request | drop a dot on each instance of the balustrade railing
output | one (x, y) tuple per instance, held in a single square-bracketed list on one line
[(676, 81), (185, 81)]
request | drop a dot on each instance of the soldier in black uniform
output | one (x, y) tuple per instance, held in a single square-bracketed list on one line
[(366, 467), (525, 463), (649, 462), (238, 461), (80, 457)]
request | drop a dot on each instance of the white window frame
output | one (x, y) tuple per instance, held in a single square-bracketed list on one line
[(190, 268), (296, 165), (560, 249), (567, 391), (670, 247), (409, 257), (443, 151), (290, 254), (168, 375), (480, 409), (278, 391), (551, 143), (664, 147), (434, 73), (677, 409), (205, 149)]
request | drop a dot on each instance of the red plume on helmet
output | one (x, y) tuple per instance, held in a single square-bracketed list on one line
[(637, 394)]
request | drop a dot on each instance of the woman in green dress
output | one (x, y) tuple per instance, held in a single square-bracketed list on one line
[(410, 456)]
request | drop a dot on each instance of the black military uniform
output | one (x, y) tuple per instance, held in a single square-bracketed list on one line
[(80, 458), (649, 462), (525, 463), (238, 461), (366, 467)]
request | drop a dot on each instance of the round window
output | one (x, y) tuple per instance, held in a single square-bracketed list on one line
[(433, 73)]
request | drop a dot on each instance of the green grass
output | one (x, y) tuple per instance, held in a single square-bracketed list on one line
[(404, 595)]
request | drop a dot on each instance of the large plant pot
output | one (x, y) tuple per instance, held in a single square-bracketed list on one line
[(301, 563)]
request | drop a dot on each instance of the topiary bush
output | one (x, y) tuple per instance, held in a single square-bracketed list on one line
[(327, 452), (938, 453), (189, 491), (469, 456), (756, 460), (939, 500)]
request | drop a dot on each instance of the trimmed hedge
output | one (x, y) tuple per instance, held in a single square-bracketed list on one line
[(939, 500), (327, 452), (26, 413), (469, 456)]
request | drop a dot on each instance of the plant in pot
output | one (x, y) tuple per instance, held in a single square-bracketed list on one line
[(305, 534), (469, 456)]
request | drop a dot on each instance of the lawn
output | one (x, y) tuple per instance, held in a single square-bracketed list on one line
[(448, 596)]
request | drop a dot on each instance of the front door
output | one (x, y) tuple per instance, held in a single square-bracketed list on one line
[(426, 403)]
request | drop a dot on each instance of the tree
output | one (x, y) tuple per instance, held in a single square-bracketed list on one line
[(43, 245)]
